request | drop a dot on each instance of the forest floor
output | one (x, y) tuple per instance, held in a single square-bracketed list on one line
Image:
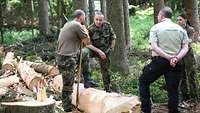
[(47, 50)]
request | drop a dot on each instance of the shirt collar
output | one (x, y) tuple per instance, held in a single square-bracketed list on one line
[(165, 19)]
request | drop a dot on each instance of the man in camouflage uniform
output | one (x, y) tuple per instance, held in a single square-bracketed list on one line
[(188, 85), (69, 40), (103, 42)]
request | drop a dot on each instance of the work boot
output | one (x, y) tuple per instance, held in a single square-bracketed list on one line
[(91, 83), (107, 88)]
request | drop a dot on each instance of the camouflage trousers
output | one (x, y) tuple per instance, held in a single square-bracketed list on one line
[(104, 64), (67, 65), (188, 86)]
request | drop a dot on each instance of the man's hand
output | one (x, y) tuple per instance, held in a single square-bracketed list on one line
[(174, 61), (101, 54)]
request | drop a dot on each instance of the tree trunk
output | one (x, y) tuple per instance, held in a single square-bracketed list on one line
[(158, 4), (191, 8), (8, 63), (81, 4), (43, 68), (43, 17), (1, 22), (119, 61), (30, 77), (103, 102), (8, 81), (127, 25), (91, 11), (28, 107), (103, 8)]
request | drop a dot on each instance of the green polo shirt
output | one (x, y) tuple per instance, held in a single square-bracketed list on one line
[(169, 37)]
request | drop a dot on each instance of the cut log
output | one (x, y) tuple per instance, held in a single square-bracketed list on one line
[(57, 84), (3, 90), (8, 63), (103, 102), (30, 77), (8, 81), (2, 51), (29, 107), (43, 68)]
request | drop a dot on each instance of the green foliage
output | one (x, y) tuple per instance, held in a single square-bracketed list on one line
[(140, 26), (12, 37)]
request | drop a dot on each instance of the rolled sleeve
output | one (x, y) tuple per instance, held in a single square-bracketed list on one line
[(153, 36)]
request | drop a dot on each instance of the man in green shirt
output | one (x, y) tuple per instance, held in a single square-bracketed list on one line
[(169, 44)]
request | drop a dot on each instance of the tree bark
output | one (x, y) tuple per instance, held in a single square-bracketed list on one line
[(8, 63), (28, 107), (191, 8), (43, 68), (119, 61), (43, 17), (103, 102), (30, 77), (8, 81), (158, 4), (91, 11), (103, 8), (81, 4), (127, 25), (1, 22)]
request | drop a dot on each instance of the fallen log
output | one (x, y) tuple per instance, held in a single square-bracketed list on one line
[(8, 63), (30, 77), (8, 81), (103, 102), (29, 107), (3, 90), (43, 68), (57, 84)]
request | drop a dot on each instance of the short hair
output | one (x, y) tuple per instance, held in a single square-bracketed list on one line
[(98, 13), (167, 12), (78, 13), (183, 15)]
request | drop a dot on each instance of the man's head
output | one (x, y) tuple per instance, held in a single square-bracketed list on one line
[(79, 16), (98, 19), (165, 12), (182, 20)]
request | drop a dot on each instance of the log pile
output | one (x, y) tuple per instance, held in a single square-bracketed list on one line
[(23, 86)]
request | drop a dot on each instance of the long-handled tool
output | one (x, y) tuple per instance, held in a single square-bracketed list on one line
[(79, 76)]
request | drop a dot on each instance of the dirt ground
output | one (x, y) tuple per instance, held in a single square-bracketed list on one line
[(184, 107)]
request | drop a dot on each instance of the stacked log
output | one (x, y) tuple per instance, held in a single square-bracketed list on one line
[(8, 63), (29, 76)]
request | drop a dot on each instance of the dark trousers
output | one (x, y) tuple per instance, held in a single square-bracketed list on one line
[(151, 72)]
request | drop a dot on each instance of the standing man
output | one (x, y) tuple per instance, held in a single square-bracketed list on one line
[(102, 43), (169, 44), (70, 38), (188, 85)]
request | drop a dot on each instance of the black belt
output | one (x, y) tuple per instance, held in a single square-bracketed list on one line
[(156, 57)]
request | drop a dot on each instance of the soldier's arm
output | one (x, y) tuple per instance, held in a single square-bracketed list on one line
[(100, 53)]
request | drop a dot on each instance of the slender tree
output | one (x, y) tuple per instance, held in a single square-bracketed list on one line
[(91, 10), (43, 17), (191, 8), (103, 8), (158, 4), (119, 61), (1, 22), (127, 24)]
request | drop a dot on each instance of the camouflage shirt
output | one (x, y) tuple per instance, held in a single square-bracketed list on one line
[(102, 37)]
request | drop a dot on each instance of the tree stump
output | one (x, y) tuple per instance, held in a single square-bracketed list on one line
[(28, 107)]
